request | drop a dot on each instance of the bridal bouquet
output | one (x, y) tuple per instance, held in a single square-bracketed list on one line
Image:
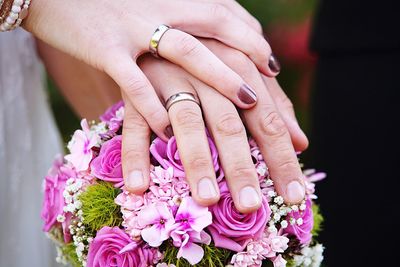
[(96, 222)]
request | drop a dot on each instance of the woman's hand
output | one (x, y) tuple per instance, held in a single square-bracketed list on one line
[(221, 118), (271, 122), (111, 35)]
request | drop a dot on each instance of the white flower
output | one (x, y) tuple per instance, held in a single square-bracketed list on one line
[(284, 224), (60, 218)]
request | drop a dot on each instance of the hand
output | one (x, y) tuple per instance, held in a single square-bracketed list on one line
[(111, 35), (270, 124)]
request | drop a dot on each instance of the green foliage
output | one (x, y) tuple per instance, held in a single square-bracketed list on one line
[(213, 257), (98, 206), (318, 220), (70, 254)]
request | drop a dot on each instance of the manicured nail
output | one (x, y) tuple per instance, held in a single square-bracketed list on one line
[(249, 197), (295, 192), (135, 179), (274, 64), (247, 95), (169, 132), (206, 189)]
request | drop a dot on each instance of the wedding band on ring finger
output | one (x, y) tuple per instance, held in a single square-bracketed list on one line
[(181, 96), (156, 38)]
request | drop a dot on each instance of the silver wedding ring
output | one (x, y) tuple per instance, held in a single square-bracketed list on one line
[(182, 96), (156, 38)]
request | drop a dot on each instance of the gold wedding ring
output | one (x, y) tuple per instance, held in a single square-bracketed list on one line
[(156, 38), (182, 96)]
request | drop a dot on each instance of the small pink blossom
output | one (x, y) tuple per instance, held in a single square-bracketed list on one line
[(279, 261), (113, 117), (129, 201), (81, 146), (191, 215), (190, 220), (277, 243), (161, 176), (158, 220), (186, 239)]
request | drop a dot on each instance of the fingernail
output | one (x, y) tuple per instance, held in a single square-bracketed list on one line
[(249, 197), (206, 189), (295, 192), (247, 95), (135, 179), (274, 64), (169, 132)]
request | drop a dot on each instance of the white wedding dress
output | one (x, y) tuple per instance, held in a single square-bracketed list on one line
[(28, 143)]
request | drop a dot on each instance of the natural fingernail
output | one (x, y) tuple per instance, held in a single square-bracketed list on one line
[(206, 189), (249, 197), (168, 131), (135, 179), (274, 64), (295, 192), (247, 95)]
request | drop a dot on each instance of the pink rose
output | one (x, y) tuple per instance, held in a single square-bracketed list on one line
[(54, 185), (167, 155), (113, 247), (233, 230), (107, 165), (302, 232)]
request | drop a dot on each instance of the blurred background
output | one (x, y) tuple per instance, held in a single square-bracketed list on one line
[(287, 26)]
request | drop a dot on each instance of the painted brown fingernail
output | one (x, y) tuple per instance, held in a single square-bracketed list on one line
[(274, 64), (247, 95), (169, 132)]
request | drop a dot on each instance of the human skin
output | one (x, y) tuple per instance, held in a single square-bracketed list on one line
[(271, 122)]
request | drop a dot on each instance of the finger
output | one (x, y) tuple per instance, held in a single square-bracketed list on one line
[(140, 93), (135, 150), (286, 110), (241, 64), (268, 129), (215, 21), (187, 52), (194, 150), (240, 12), (272, 136), (229, 134)]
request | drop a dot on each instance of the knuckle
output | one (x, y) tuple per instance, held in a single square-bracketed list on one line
[(242, 173), (199, 162), (188, 118), (157, 115), (219, 12), (135, 123), (288, 161), (285, 101), (131, 153), (187, 45), (257, 26), (288, 164), (272, 125), (230, 125), (135, 87)]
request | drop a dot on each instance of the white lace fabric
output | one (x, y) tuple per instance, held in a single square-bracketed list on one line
[(28, 143)]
